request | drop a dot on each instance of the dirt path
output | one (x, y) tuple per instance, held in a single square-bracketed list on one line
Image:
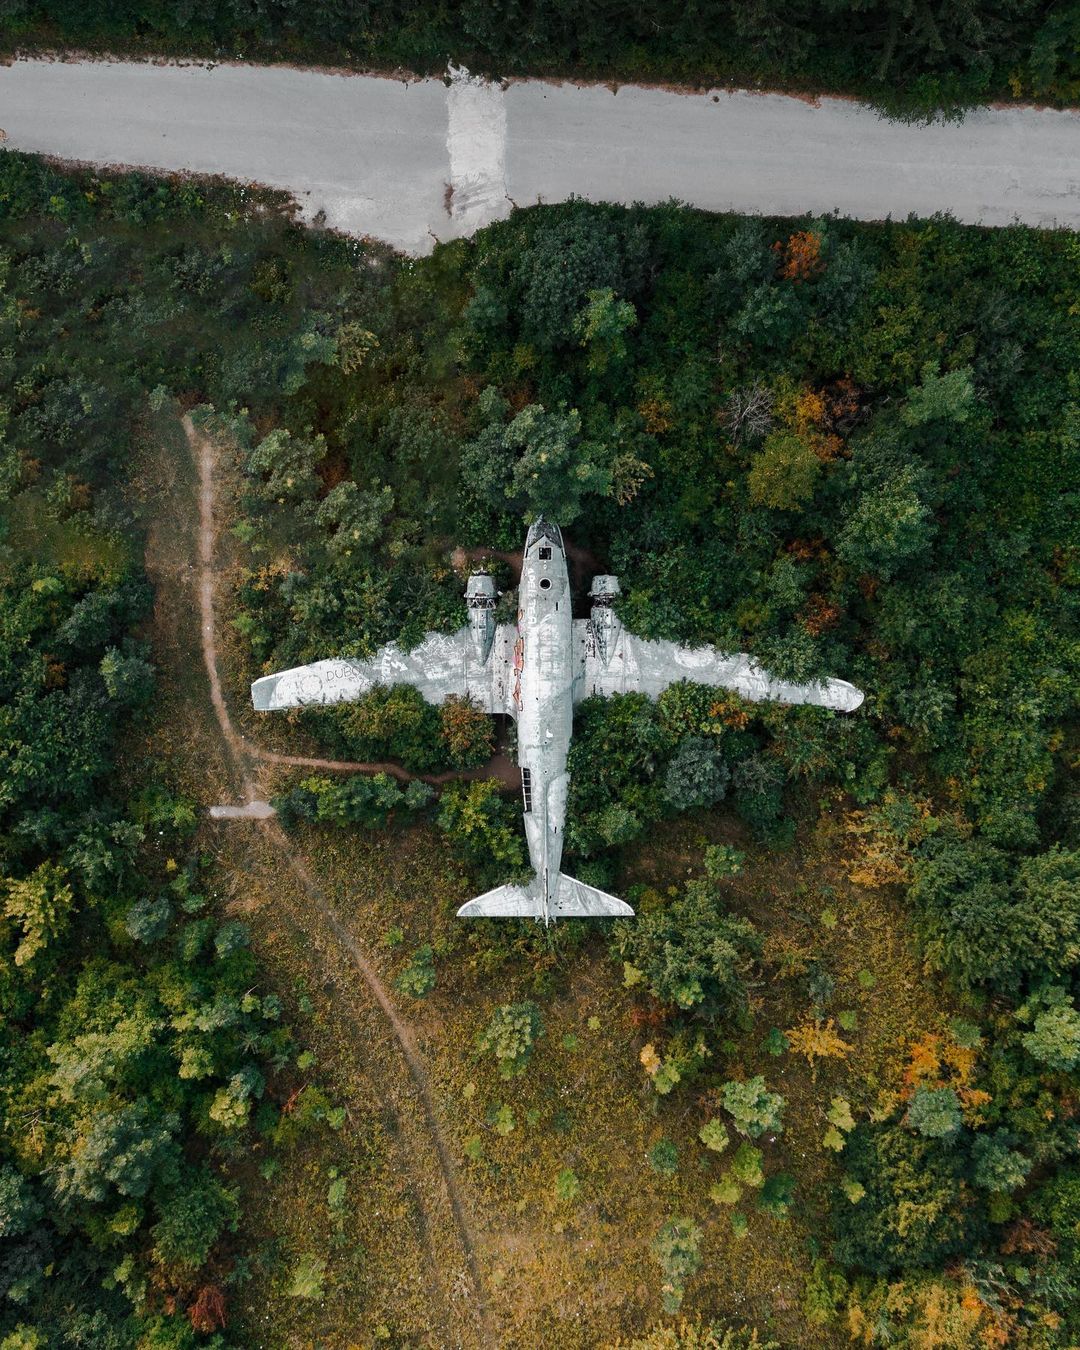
[(501, 767), (243, 756)]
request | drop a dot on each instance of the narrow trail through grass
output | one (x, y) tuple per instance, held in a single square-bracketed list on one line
[(244, 756)]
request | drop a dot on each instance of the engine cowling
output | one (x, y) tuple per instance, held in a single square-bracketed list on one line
[(481, 597), (606, 625)]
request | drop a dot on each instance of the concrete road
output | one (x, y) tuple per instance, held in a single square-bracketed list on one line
[(409, 163)]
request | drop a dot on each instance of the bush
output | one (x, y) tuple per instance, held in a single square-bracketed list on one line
[(418, 978), (677, 1247), (511, 1037), (754, 1109), (370, 802), (690, 953)]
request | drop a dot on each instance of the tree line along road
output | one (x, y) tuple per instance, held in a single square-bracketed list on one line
[(410, 162)]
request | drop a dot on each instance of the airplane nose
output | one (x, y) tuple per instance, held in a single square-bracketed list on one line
[(543, 529)]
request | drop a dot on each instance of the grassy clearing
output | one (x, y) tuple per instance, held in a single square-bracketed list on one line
[(574, 1271)]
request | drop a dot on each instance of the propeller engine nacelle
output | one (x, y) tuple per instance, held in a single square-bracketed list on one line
[(606, 624), (481, 597)]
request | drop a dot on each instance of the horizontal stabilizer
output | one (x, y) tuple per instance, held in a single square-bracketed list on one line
[(572, 900), (575, 900), (506, 902)]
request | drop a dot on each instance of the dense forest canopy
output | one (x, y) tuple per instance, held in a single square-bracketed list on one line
[(909, 56), (848, 449)]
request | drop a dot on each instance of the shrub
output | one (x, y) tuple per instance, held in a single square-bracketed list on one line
[(677, 1247), (664, 1158), (777, 1195), (754, 1109), (511, 1037), (418, 978)]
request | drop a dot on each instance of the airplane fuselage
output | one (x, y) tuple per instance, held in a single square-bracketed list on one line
[(543, 698)]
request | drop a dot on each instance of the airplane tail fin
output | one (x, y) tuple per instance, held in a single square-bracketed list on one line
[(573, 900)]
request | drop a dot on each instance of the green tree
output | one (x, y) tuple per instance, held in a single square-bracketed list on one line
[(677, 1248), (539, 463), (284, 466), (696, 774), (1054, 1040), (940, 398), (754, 1109), (935, 1113), (988, 922), (481, 824), (191, 1218), (354, 517), (41, 905), (567, 259), (511, 1036), (690, 952), (601, 328), (128, 1149), (784, 472), (996, 1165), (129, 680), (916, 1210)]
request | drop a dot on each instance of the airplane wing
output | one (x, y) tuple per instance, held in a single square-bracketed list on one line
[(442, 664), (649, 667)]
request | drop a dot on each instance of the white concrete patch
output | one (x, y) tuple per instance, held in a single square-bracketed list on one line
[(476, 145), (249, 811)]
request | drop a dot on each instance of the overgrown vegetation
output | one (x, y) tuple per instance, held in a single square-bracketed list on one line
[(139, 1046), (909, 58), (848, 449)]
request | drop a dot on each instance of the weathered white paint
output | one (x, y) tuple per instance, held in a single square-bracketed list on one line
[(376, 155), (535, 671)]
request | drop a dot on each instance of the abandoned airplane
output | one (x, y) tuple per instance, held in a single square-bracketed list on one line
[(535, 671)]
